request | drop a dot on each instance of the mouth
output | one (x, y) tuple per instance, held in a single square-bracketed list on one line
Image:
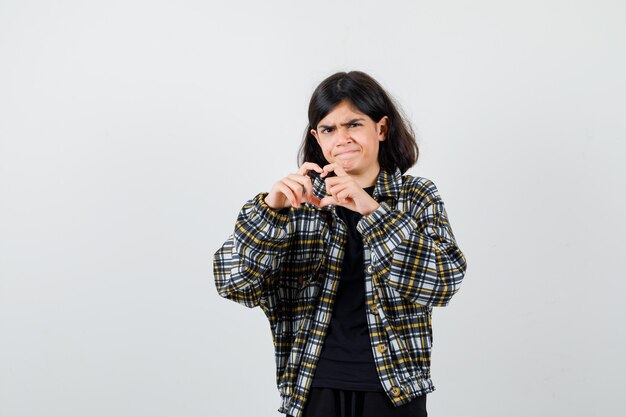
[(346, 153)]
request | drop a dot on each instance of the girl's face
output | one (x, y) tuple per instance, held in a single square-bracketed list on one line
[(351, 139)]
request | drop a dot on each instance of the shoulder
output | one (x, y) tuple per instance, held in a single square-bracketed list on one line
[(419, 189), (419, 196)]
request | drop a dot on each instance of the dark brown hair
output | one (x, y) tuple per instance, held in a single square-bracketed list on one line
[(398, 150)]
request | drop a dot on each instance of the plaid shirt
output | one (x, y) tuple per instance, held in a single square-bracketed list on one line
[(289, 262)]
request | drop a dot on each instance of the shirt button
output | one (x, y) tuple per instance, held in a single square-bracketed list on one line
[(369, 269), (382, 348), (374, 309), (396, 391)]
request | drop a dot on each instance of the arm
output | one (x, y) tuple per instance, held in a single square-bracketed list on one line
[(415, 252), (245, 263)]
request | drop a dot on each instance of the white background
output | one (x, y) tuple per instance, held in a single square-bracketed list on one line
[(132, 132)]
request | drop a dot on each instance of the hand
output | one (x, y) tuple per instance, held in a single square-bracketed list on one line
[(346, 192), (289, 190)]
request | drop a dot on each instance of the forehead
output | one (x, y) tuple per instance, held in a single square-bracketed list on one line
[(342, 112)]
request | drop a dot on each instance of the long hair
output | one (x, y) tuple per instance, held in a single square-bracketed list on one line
[(398, 150)]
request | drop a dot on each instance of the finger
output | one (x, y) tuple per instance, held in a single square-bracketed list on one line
[(307, 166), (327, 201), (283, 188), (337, 180), (327, 168), (315, 200), (333, 190), (343, 195), (334, 167), (296, 189), (306, 183), (339, 190), (334, 182)]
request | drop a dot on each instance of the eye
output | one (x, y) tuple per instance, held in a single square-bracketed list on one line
[(326, 130), (355, 124)]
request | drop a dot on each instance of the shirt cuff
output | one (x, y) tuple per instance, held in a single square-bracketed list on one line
[(393, 222), (366, 225), (276, 218)]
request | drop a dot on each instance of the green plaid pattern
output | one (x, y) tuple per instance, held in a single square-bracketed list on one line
[(289, 262)]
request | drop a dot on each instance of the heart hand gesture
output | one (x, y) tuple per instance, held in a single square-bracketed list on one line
[(346, 192)]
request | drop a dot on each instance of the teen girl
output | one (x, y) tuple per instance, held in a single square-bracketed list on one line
[(347, 257)]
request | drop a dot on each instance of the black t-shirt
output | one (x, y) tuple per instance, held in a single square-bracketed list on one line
[(346, 360)]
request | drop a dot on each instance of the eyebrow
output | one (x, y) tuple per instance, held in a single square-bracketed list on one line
[(349, 122)]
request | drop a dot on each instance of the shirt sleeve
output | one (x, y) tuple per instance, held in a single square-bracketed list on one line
[(244, 264), (415, 252)]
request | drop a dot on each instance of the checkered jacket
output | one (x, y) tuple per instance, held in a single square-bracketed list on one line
[(289, 262)]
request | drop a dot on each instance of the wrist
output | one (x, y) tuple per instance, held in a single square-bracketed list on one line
[(270, 204), (372, 208)]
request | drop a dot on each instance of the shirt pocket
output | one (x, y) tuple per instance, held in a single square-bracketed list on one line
[(416, 330)]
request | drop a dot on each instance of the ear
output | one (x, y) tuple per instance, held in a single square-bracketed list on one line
[(314, 133), (382, 127)]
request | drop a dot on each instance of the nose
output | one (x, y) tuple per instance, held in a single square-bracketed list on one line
[(343, 136)]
